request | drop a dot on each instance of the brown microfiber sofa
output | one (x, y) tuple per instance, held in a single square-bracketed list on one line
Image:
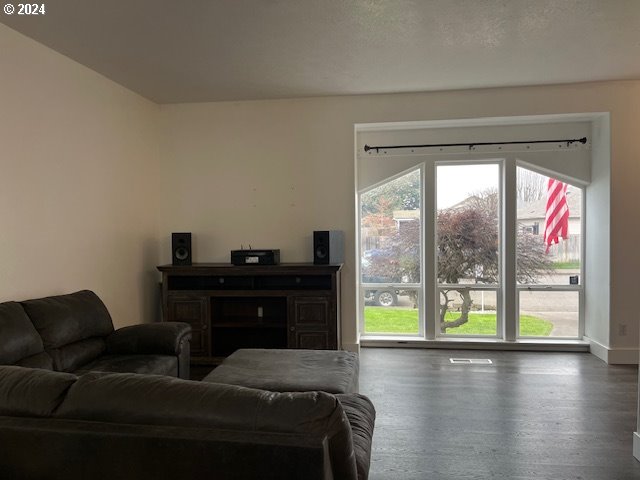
[(74, 333), (125, 426)]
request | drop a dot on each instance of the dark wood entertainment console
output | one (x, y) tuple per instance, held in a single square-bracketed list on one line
[(256, 306)]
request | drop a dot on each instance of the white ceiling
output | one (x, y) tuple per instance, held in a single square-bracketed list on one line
[(209, 50)]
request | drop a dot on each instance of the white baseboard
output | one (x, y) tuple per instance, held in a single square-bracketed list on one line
[(598, 350), (636, 445), (613, 356)]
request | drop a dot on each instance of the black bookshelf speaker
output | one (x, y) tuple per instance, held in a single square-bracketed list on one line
[(328, 247), (181, 248)]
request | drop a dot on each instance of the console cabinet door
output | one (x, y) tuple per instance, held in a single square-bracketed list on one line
[(194, 311), (312, 322)]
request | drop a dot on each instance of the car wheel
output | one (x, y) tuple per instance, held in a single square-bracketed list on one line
[(385, 298)]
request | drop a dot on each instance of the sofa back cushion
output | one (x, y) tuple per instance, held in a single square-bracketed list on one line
[(155, 399), (18, 337), (159, 400), (32, 392), (66, 319)]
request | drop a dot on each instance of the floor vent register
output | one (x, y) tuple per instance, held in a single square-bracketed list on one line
[(471, 361)]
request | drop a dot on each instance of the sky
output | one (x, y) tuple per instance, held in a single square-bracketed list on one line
[(458, 182)]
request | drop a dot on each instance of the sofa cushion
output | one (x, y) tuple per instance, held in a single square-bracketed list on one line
[(362, 416), (65, 319), (31, 391), (69, 358), (39, 360), (145, 364), (19, 338)]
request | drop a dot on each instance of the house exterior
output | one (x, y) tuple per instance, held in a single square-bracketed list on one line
[(531, 219)]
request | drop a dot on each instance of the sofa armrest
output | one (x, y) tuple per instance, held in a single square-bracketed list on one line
[(166, 338)]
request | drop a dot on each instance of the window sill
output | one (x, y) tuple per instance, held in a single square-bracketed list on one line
[(551, 345)]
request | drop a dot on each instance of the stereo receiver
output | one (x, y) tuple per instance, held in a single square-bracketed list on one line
[(255, 257)]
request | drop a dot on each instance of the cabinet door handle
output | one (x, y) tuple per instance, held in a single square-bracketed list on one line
[(293, 329), (204, 326)]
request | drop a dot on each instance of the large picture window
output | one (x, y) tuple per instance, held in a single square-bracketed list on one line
[(467, 201)]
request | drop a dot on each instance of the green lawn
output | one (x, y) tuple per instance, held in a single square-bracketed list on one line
[(566, 265), (405, 320)]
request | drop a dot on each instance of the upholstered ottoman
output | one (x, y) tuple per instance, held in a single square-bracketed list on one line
[(278, 370)]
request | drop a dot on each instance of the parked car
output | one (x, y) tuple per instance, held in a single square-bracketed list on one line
[(382, 296)]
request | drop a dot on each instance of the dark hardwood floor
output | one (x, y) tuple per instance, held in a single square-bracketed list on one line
[(527, 416)]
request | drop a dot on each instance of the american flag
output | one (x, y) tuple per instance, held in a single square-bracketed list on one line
[(556, 222)]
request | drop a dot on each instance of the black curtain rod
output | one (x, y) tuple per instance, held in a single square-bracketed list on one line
[(568, 141)]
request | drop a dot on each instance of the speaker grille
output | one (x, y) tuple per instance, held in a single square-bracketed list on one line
[(181, 248), (321, 251)]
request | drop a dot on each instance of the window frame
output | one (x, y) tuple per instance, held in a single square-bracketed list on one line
[(558, 288), (507, 291), (497, 287), (419, 287)]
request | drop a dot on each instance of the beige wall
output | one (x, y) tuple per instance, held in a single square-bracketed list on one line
[(78, 182), (270, 172)]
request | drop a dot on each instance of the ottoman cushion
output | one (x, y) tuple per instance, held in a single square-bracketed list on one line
[(279, 370)]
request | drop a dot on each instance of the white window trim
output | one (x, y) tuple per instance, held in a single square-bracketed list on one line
[(507, 292)]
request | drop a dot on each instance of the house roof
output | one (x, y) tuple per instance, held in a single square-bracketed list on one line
[(537, 209), (406, 214), (531, 211)]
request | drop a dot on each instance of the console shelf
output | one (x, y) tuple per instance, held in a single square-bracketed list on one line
[(257, 306), (246, 324)]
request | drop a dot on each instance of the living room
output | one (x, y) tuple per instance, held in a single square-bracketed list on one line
[(97, 176)]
